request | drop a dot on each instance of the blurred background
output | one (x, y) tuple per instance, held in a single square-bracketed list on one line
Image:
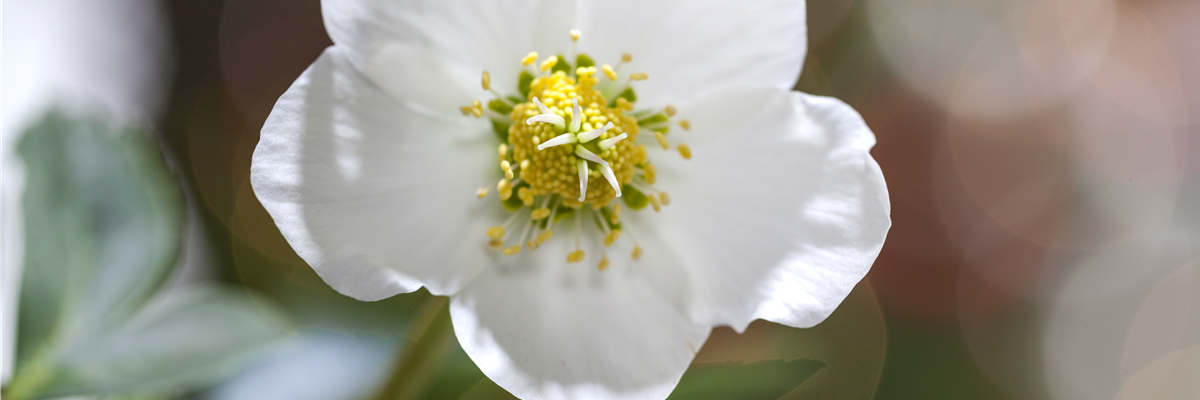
[(1042, 156)]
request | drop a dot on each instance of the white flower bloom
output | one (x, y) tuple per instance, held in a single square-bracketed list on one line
[(371, 171)]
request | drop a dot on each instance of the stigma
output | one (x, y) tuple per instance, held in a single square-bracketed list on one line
[(572, 148)]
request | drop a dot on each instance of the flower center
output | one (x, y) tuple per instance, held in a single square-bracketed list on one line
[(572, 139)]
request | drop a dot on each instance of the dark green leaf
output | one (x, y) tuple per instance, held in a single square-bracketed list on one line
[(102, 228), (762, 380)]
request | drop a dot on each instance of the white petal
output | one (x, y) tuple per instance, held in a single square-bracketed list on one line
[(377, 199), (431, 53), (780, 211), (689, 47), (545, 329)]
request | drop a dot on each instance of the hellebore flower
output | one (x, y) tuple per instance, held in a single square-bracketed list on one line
[(538, 202)]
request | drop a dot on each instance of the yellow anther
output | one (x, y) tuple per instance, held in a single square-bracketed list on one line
[(615, 217), (545, 236), (523, 193), (575, 256), (664, 198), (603, 264), (670, 111), (654, 202), (532, 244), (505, 165), (651, 174), (549, 63), (503, 151), (575, 34), (529, 59), (495, 232), (487, 80), (528, 201), (467, 110), (612, 237), (508, 174), (481, 193), (624, 104), (662, 140), (477, 108), (495, 244), (685, 151), (637, 253), (685, 124), (638, 76), (582, 72), (539, 214), (608, 71), (525, 164), (510, 250), (504, 189), (626, 57)]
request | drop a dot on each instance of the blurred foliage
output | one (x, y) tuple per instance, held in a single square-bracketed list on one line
[(102, 225)]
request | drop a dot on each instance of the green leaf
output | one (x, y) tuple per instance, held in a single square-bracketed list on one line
[(765, 380), (584, 61), (500, 106), (183, 340), (652, 120), (102, 228), (523, 82), (562, 65), (626, 94), (634, 198), (501, 130)]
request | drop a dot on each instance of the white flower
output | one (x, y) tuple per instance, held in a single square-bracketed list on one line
[(371, 172)]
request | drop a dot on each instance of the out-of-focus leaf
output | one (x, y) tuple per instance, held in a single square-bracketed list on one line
[(186, 338), (102, 228), (765, 380)]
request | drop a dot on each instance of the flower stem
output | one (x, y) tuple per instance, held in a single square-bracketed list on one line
[(418, 363)]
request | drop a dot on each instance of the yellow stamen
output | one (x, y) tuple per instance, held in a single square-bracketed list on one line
[(608, 71), (545, 236), (616, 214), (626, 57), (539, 213), (466, 110), (612, 237), (487, 81), (503, 151), (525, 164), (651, 174), (603, 264), (664, 198), (504, 189), (624, 104), (685, 151), (575, 35), (549, 63), (495, 244), (670, 111), (575, 256), (532, 244), (662, 140), (654, 202), (685, 124), (510, 250), (505, 165), (637, 253), (477, 108), (638, 76), (529, 59), (495, 232), (481, 193)]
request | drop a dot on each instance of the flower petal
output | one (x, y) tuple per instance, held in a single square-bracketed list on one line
[(431, 53), (545, 329), (689, 47), (780, 211), (377, 199)]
